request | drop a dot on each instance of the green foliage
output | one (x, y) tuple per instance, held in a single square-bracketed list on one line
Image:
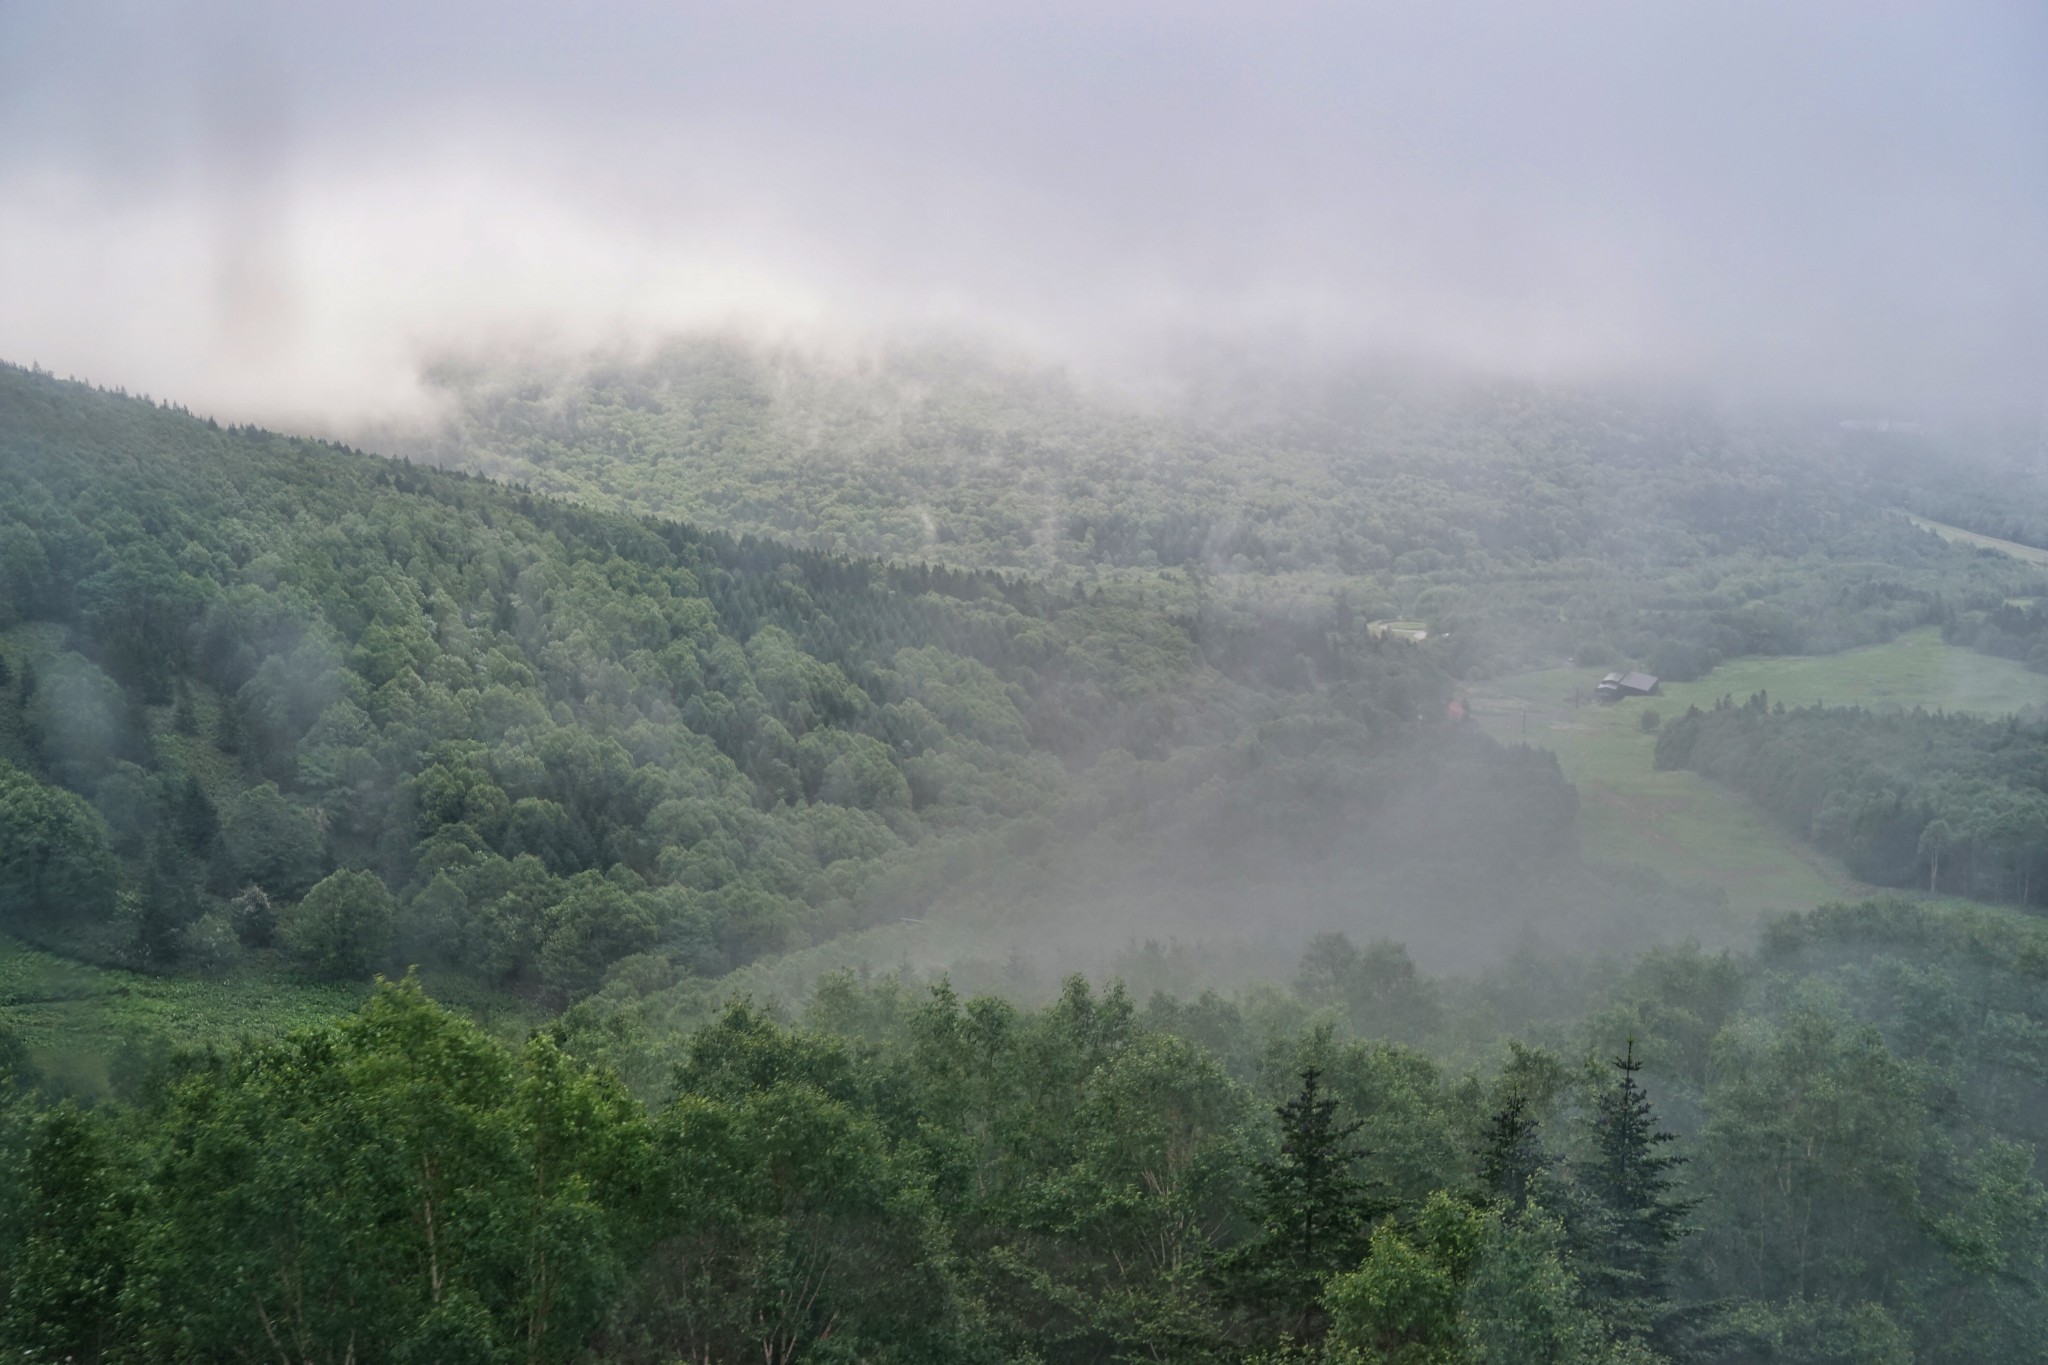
[(55, 863), (1469, 1286), (1956, 799), (1511, 1160), (342, 929), (1811, 1332), (272, 843), (1523, 1303), (1377, 989), (399, 1185), (1637, 1215), (909, 1177), (1315, 1212), (253, 917), (67, 1263), (1403, 1306)]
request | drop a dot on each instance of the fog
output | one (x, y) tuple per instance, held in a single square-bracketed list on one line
[(283, 212)]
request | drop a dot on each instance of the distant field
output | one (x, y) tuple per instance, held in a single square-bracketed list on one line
[(77, 1018), (1687, 828), (2031, 554)]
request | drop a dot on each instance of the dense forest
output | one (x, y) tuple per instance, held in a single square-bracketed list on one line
[(278, 705), (2014, 629), (1820, 1153), (1530, 522), (1956, 803), (277, 709)]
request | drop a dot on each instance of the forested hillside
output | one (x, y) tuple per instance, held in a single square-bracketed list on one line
[(1532, 522), (278, 710), (278, 705)]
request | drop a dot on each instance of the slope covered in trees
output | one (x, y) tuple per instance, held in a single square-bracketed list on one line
[(1821, 1153), (273, 706), (277, 703), (1532, 522)]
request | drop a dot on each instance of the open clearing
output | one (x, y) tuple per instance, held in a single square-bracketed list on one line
[(77, 1018), (2030, 553), (1692, 831)]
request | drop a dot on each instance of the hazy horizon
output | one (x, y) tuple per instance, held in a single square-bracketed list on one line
[(285, 215)]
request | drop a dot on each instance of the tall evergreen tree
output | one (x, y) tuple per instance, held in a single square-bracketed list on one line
[(1639, 1218), (1316, 1211)]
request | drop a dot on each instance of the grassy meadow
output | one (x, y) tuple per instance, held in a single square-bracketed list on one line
[(81, 1021), (1693, 831)]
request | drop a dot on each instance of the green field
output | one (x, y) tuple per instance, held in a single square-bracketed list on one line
[(1689, 829), (78, 1019)]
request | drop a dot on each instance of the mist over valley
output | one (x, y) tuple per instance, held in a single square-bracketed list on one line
[(1162, 683)]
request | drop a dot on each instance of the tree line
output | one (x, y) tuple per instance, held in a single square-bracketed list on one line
[(1706, 1168), (1950, 802)]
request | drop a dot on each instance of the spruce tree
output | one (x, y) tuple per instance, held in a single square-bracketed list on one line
[(1316, 1211), (1639, 1218)]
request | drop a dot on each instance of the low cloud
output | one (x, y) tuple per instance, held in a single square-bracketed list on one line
[(284, 214)]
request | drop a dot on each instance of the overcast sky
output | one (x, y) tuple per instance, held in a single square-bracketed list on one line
[(279, 210)]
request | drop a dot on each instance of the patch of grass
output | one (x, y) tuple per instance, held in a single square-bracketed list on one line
[(1694, 832), (77, 1018)]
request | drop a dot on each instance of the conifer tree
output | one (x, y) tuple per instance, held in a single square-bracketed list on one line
[(1639, 1219), (1316, 1212)]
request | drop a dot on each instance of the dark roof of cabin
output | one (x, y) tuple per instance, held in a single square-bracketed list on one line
[(1639, 682)]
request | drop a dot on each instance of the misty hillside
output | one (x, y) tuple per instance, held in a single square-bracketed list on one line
[(1531, 521), (283, 715), (277, 716), (1055, 684), (279, 706)]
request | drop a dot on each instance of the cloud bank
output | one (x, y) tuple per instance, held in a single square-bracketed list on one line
[(282, 212)]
